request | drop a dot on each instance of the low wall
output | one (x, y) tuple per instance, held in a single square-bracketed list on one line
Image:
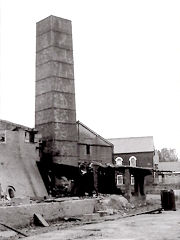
[(156, 189), (22, 215)]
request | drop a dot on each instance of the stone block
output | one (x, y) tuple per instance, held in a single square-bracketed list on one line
[(58, 131), (53, 23), (64, 100), (55, 84), (56, 39), (44, 101), (65, 131), (54, 54), (64, 85), (47, 130), (54, 69), (65, 116), (55, 115), (55, 100), (44, 117)]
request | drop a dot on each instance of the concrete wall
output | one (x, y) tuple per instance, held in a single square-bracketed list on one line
[(55, 115), (168, 178), (22, 215), (172, 179), (18, 166)]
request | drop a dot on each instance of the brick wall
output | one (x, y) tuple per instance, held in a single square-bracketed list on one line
[(144, 159), (102, 154)]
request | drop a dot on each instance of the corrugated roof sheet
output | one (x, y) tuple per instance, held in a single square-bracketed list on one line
[(132, 144)]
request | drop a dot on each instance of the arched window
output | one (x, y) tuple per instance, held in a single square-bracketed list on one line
[(119, 161), (132, 161)]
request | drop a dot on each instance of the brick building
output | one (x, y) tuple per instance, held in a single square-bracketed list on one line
[(133, 158)]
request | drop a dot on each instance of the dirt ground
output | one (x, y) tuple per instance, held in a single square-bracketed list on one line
[(163, 226), (116, 223)]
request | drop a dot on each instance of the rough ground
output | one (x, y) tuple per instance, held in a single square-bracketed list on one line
[(110, 208), (164, 226)]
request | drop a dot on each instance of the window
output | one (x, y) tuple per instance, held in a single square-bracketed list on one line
[(2, 136), (132, 161), (26, 137), (132, 180), (160, 178), (29, 137), (119, 161), (120, 180), (88, 149)]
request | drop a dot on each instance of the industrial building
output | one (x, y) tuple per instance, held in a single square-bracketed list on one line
[(60, 153), (58, 144)]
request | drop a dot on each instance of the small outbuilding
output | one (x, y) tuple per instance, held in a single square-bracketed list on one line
[(19, 154)]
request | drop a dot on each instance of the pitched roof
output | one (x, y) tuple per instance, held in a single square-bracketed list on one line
[(90, 134), (169, 166), (6, 125), (132, 144)]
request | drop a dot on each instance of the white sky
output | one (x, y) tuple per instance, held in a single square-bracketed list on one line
[(127, 64)]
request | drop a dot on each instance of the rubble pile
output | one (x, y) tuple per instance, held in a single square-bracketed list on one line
[(117, 204)]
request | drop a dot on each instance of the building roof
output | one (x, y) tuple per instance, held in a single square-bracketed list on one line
[(169, 166), (132, 144), (6, 125), (84, 136)]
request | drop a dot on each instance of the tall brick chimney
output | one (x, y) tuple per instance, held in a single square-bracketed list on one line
[(55, 110)]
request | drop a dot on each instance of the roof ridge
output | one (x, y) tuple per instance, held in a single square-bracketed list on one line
[(105, 140), (16, 124), (130, 137)]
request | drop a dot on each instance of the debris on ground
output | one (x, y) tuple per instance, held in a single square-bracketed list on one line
[(13, 229), (107, 208), (117, 204), (39, 220), (71, 219)]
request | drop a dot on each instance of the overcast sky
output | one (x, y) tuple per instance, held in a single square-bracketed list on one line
[(126, 60)]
